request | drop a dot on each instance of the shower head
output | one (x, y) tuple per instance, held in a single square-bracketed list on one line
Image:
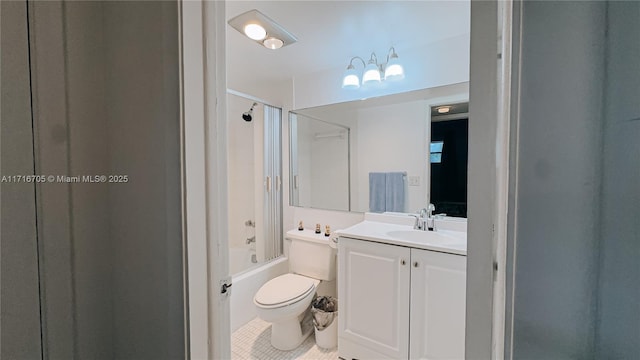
[(248, 116)]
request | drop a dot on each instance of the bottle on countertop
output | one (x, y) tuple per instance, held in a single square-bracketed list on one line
[(318, 231), (327, 230), (300, 226)]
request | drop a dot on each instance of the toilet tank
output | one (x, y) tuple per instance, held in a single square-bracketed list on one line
[(310, 255)]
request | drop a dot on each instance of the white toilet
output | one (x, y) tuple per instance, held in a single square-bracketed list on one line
[(284, 300)]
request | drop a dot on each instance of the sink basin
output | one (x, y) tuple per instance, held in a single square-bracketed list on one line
[(430, 237), (398, 230)]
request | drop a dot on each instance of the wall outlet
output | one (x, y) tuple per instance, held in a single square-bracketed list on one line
[(414, 180)]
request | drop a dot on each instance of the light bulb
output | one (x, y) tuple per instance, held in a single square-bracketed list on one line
[(350, 80), (255, 32), (272, 43), (394, 70), (371, 73)]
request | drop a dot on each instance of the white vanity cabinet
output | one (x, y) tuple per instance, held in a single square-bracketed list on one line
[(373, 296), (438, 299), (398, 302)]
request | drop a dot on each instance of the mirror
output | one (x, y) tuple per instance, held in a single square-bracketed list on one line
[(319, 163), (394, 153)]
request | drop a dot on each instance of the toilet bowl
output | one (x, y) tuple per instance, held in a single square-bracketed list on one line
[(283, 301)]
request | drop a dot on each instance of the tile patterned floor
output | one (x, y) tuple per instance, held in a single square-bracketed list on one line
[(253, 342)]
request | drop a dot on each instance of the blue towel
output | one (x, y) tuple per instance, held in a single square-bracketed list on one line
[(395, 191), (377, 192)]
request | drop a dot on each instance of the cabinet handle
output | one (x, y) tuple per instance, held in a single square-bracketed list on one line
[(402, 262), (415, 264)]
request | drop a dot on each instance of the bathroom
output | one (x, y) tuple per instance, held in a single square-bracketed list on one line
[(296, 134), (241, 181)]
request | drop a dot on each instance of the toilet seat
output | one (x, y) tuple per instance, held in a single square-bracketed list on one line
[(284, 290)]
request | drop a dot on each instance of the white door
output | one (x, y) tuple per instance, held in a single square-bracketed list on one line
[(438, 288), (373, 294)]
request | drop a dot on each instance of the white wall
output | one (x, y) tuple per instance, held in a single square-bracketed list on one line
[(241, 168), (303, 165), (323, 164), (329, 168), (440, 63), (393, 138)]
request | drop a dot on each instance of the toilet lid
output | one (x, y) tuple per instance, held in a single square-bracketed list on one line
[(283, 289)]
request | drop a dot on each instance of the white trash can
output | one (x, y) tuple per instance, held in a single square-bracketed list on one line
[(328, 337), (325, 321)]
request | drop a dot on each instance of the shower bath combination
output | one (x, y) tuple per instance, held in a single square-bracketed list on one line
[(248, 116)]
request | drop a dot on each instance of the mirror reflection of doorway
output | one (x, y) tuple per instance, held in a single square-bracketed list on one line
[(448, 157)]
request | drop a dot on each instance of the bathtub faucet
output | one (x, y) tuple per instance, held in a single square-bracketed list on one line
[(251, 240)]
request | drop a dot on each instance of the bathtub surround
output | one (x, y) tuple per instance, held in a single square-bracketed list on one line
[(254, 177), (241, 259), (245, 286)]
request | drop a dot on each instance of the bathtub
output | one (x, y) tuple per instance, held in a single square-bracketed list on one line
[(245, 286), (241, 259)]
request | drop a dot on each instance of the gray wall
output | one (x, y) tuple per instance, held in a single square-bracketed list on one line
[(142, 93), (576, 264), (105, 101), (20, 302), (618, 335), (558, 179), (88, 153)]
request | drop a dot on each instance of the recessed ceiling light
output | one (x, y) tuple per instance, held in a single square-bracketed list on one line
[(273, 43), (262, 29), (255, 31), (443, 109)]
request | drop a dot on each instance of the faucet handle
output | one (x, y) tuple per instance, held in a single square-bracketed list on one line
[(416, 225), (431, 207)]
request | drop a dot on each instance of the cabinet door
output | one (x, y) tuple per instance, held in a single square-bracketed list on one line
[(438, 290), (373, 295)]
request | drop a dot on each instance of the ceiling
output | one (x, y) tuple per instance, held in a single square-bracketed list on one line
[(331, 32)]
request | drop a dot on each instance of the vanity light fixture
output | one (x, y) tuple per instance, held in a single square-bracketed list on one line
[(262, 29), (373, 71)]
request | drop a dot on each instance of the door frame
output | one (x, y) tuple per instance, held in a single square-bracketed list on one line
[(204, 177), (203, 124), (491, 141)]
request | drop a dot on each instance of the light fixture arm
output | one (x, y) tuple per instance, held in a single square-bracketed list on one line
[(373, 59), (391, 54), (364, 64)]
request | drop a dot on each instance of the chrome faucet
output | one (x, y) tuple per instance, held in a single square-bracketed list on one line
[(431, 220), (425, 220), (420, 223)]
